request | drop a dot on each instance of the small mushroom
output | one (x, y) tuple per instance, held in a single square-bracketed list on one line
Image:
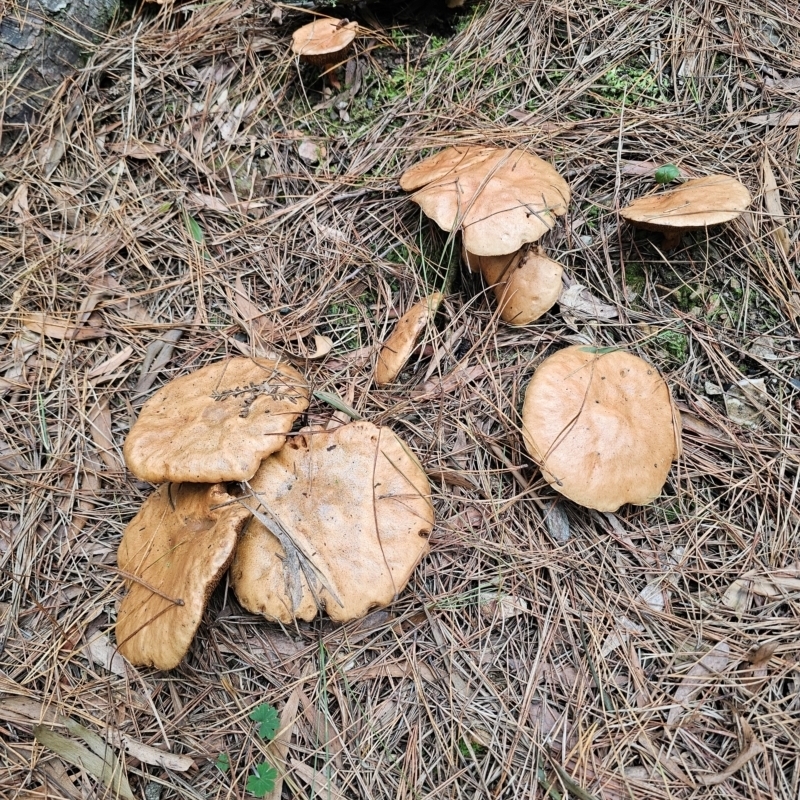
[(602, 427), (172, 555), (398, 347), (527, 283), (217, 423), (697, 203), (500, 199), (325, 41), (340, 520)]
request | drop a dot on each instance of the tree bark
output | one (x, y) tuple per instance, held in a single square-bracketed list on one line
[(41, 42)]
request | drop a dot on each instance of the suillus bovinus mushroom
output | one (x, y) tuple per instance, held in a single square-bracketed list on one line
[(398, 347), (601, 425), (499, 198), (217, 423), (340, 520), (325, 41), (698, 203), (527, 283), (172, 555)]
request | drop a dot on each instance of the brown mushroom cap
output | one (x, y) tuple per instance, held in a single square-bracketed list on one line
[(398, 347), (178, 547), (602, 427), (324, 40), (501, 199), (217, 423), (697, 203), (527, 283), (352, 509)]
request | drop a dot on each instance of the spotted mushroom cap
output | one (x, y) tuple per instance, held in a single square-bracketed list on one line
[(216, 424), (499, 198), (602, 426), (341, 519), (172, 554)]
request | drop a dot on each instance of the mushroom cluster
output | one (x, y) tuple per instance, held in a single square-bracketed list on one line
[(323, 519)]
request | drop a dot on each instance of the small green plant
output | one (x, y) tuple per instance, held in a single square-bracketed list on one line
[(223, 762), (263, 781), (667, 173), (675, 344), (267, 717)]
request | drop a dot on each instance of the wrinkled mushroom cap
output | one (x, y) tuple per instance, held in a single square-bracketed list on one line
[(501, 199), (353, 503), (527, 284), (324, 40), (398, 347), (216, 424), (178, 546), (602, 427), (697, 203)]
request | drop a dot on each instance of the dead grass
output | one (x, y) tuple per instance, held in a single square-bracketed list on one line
[(152, 262)]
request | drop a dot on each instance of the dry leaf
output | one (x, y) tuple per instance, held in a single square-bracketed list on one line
[(654, 598), (557, 521), (99, 418), (712, 663), (243, 110), (745, 401), (100, 650), (134, 149), (311, 153), (398, 669), (772, 205), (322, 785), (110, 364), (459, 377), (197, 200), (19, 202), (323, 345), (499, 605), (789, 119), (578, 301), (279, 746), (56, 328)]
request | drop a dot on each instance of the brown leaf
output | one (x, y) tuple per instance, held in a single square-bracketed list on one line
[(134, 149), (397, 669), (459, 377), (712, 663), (578, 301), (323, 345), (790, 119), (773, 207), (322, 784), (56, 328), (279, 747), (110, 364), (99, 418)]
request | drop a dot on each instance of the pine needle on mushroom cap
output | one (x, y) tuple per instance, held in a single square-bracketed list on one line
[(527, 284), (398, 347), (173, 553), (341, 518), (602, 427), (499, 198), (216, 424)]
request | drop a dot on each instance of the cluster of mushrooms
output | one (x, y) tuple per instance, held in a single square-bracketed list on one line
[(338, 519), (333, 519)]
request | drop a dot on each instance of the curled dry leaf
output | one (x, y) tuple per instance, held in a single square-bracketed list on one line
[(56, 328), (712, 663), (578, 301), (322, 346), (398, 347), (172, 555), (341, 519)]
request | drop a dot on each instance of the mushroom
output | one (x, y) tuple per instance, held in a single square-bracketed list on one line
[(324, 41), (526, 284), (340, 520), (172, 555), (601, 425), (398, 347), (217, 423), (697, 203), (500, 199)]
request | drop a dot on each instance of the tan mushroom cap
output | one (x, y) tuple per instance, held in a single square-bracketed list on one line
[(217, 423), (602, 427), (697, 203), (501, 199), (398, 347), (527, 283), (178, 547), (352, 507), (324, 40)]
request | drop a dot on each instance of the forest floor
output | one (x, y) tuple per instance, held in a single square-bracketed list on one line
[(194, 193)]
